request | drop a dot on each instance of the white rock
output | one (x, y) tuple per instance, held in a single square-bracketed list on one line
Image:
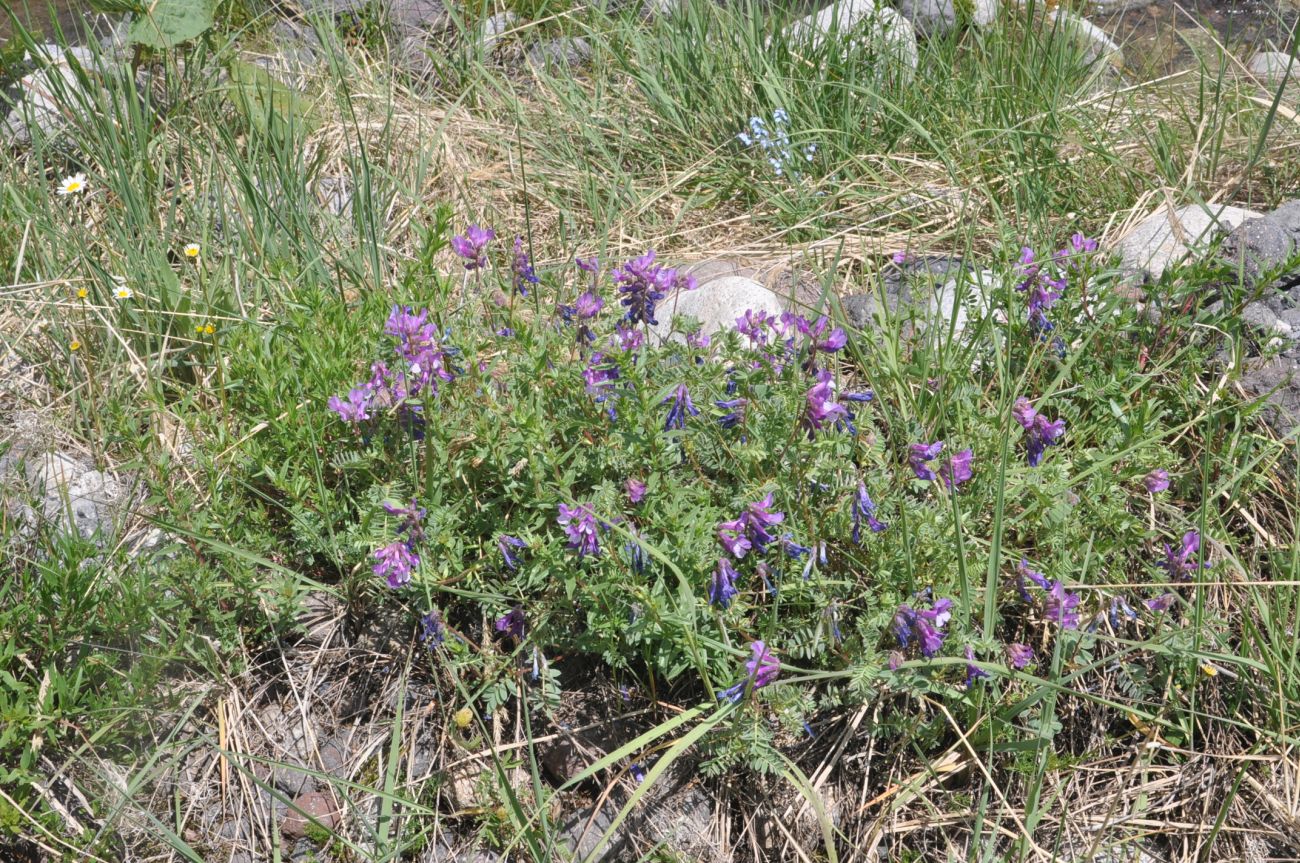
[(46, 95), (60, 489), (715, 304), (1164, 238), (495, 28), (868, 22), (1273, 65), (937, 17), (1096, 41), (956, 300)]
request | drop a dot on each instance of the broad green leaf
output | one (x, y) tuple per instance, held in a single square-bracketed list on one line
[(168, 23)]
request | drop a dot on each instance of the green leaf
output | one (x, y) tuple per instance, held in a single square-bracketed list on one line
[(167, 23)]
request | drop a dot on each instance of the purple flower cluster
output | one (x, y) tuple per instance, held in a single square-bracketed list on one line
[(822, 407), (506, 545), (601, 374), (472, 246), (396, 561), (761, 670), (722, 587), (513, 623), (973, 671), (643, 283), (423, 363), (1041, 290), (1039, 433), (635, 490), (750, 530), (922, 628), (864, 509), (581, 527), (1156, 481), (1181, 563), (953, 470), (1059, 606), (521, 269), (680, 407), (1019, 655)]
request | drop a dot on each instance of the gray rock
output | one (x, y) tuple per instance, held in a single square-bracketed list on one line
[(335, 195), (581, 834), (1265, 245), (1277, 381), (1096, 42), (1163, 238), (560, 52), (423, 15), (296, 50), (60, 489), (1291, 317), (45, 97), (317, 805), (715, 304), (1112, 7), (494, 29), (1260, 317), (936, 17), (865, 22), (1272, 65), (925, 300)]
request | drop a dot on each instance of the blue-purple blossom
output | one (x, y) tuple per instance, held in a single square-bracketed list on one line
[(635, 489), (761, 670), (600, 376), (865, 509), (636, 553), (506, 543), (513, 623), (432, 630), (1181, 563), (395, 562), (419, 345), (821, 405), (1059, 606), (680, 407), (735, 412), (956, 469), (521, 269), (973, 671), (1119, 608), (356, 407), (860, 398), (643, 284), (1039, 433), (472, 246), (923, 628), (1019, 655), (588, 265), (1042, 291), (1156, 481), (581, 527), (794, 549), (920, 453), (722, 587), (626, 338), (1163, 602), (410, 519), (732, 536)]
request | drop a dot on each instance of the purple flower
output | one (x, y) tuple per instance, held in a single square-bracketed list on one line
[(732, 536), (793, 549), (699, 340), (626, 339), (956, 470), (1163, 602), (581, 527), (505, 544), (757, 518), (1181, 564), (722, 588), (395, 562), (919, 454), (643, 284), (635, 490), (1079, 246), (512, 623), (1039, 433), (355, 409), (900, 258), (419, 346), (753, 325), (411, 517), (762, 669), (860, 398), (521, 269), (473, 246), (1019, 655), (735, 412), (600, 377), (680, 407), (832, 342), (432, 630), (821, 407), (1060, 607), (1042, 291), (922, 627), (1119, 608), (973, 671), (588, 305), (865, 508), (1156, 481), (588, 265)]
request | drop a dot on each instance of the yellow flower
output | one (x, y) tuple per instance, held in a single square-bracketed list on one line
[(208, 329), (82, 293), (191, 250), (463, 717), (74, 345), (198, 328), (72, 185)]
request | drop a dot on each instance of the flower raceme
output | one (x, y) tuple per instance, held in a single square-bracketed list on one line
[(1181, 563), (1059, 606), (1039, 433), (922, 628), (680, 407), (864, 509), (472, 246), (580, 525), (761, 670)]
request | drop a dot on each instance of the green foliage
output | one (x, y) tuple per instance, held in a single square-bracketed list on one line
[(167, 23)]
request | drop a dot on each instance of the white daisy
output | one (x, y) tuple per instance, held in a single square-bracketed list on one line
[(120, 290), (191, 250), (72, 185)]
